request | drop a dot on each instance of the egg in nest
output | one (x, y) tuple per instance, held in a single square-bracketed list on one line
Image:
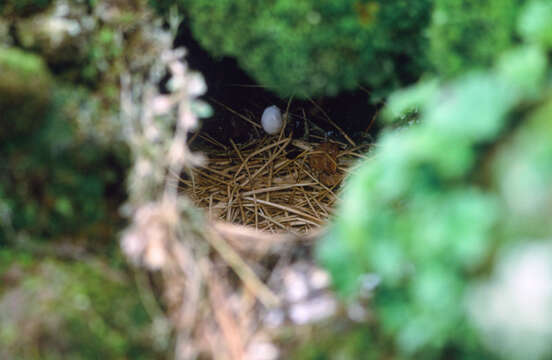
[(271, 120)]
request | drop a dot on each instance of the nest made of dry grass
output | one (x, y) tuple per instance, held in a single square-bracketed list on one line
[(271, 183)]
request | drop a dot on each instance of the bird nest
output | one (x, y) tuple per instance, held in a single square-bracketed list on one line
[(271, 183)]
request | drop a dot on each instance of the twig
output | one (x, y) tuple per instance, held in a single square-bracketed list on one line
[(261, 291)]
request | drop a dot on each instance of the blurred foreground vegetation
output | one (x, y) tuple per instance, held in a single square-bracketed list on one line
[(450, 214), (65, 290)]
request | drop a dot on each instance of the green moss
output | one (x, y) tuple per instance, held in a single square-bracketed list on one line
[(81, 310), (104, 56), (25, 64), (466, 34), (25, 92), (316, 47)]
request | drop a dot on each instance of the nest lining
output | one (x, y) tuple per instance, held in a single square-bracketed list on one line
[(271, 183)]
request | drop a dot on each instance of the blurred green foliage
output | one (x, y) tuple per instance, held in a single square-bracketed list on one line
[(313, 47), (437, 208)]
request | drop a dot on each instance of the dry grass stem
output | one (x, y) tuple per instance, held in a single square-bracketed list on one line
[(245, 273)]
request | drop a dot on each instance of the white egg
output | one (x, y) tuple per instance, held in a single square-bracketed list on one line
[(272, 120)]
